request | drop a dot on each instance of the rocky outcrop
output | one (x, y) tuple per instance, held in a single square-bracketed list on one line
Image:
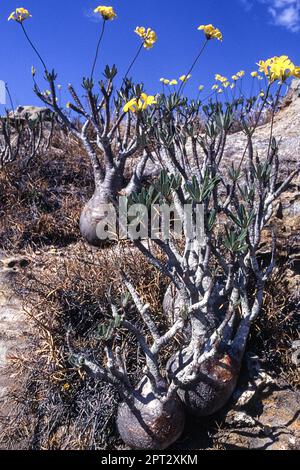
[(271, 422), (31, 114), (263, 415), (292, 94), (14, 336)]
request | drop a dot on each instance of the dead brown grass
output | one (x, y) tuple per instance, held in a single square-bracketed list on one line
[(277, 327), (41, 204)]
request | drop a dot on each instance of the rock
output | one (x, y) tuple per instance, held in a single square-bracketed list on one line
[(270, 423), (269, 419), (12, 265), (31, 113), (258, 381), (285, 130), (240, 419), (14, 336), (295, 87), (296, 353), (292, 94)]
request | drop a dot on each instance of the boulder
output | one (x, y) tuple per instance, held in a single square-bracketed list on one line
[(271, 423), (263, 415), (14, 338), (292, 94), (31, 114)]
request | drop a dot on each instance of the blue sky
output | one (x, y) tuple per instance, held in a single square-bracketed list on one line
[(66, 32)]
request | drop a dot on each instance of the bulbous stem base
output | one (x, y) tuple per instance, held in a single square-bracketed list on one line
[(148, 423)]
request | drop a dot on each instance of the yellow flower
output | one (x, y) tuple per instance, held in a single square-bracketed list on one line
[(66, 387), (254, 74), (220, 78), (173, 82), (226, 84), (149, 36), (215, 87), (166, 81), (185, 78), (232, 86), (68, 105), (19, 15), (296, 72), (150, 39), (33, 71), (132, 105), (220, 90), (141, 31), (139, 104), (48, 92), (211, 32), (201, 87), (279, 68), (107, 13), (241, 74), (235, 78), (262, 94), (264, 66)]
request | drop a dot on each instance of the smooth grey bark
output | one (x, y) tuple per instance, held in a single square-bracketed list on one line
[(215, 381), (148, 422), (94, 210)]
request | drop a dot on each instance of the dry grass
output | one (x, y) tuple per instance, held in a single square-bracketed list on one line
[(41, 205), (277, 327)]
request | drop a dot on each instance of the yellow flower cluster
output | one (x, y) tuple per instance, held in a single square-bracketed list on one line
[(19, 15), (139, 104), (211, 32), (279, 68), (238, 75), (224, 82), (165, 81), (185, 78), (148, 35), (107, 13), (255, 74), (220, 78)]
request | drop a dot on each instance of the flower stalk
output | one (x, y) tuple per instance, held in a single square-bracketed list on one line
[(97, 49)]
